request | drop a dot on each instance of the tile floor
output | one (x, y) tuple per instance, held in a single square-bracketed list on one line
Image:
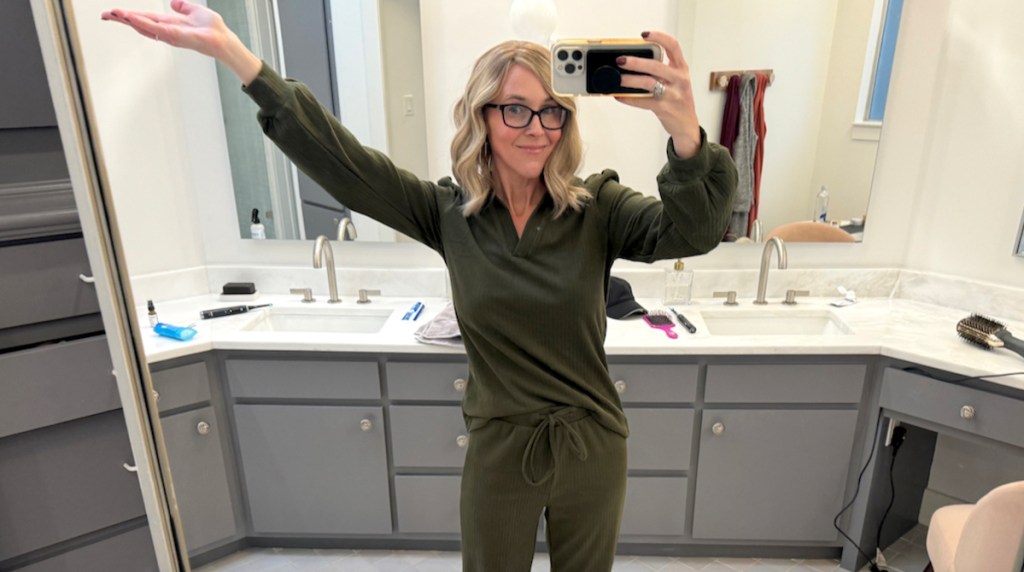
[(905, 555)]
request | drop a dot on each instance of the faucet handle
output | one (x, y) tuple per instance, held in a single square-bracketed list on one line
[(307, 294), (792, 294), (730, 297), (364, 295)]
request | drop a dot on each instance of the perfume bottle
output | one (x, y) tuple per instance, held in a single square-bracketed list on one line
[(678, 284), (153, 319)]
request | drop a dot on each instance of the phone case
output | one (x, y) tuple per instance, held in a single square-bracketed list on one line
[(587, 67)]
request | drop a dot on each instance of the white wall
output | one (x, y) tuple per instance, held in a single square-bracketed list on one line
[(947, 187), (970, 192), (141, 141)]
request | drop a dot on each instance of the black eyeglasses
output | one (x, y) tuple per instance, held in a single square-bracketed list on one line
[(518, 116)]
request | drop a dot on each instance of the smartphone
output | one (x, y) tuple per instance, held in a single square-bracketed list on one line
[(587, 67)]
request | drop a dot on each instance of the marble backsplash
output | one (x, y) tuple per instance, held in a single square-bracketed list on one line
[(995, 300)]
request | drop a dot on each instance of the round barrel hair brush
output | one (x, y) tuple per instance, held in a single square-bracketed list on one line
[(987, 333)]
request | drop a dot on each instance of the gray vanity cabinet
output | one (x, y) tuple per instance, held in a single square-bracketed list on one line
[(658, 400), (193, 440), (194, 436), (775, 447), (314, 469)]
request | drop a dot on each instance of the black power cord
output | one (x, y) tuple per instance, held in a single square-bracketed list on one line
[(835, 522), (899, 435)]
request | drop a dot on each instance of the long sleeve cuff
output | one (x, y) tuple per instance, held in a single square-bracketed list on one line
[(269, 90)]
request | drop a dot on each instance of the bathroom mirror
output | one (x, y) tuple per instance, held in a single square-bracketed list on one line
[(1020, 239), (823, 55)]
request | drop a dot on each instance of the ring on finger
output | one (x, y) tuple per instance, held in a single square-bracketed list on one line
[(659, 89)]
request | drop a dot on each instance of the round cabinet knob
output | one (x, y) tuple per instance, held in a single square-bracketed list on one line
[(156, 395), (967, 412), (718, 428), (366, 425), (460, 385), (462, 441), (203, 428), (620, 386), (130, 468)]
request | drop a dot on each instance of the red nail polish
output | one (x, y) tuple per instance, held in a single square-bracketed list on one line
[(621, 60), (644, 35)]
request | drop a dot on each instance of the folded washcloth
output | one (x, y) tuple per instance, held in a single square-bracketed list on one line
[(442, 330)]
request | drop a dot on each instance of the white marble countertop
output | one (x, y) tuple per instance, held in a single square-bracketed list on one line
[(898, 328)]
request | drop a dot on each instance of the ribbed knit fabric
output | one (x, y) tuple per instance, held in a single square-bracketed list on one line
[(581, 499), (531, 309)]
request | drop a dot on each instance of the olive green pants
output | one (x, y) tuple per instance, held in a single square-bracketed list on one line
[(561, 463)]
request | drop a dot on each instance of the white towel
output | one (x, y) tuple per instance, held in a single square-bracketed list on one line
[(442, 330)]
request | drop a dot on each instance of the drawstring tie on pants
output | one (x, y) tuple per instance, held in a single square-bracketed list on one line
[(559, 426)]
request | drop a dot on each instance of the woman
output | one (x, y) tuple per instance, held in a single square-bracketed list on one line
[(529, 248)]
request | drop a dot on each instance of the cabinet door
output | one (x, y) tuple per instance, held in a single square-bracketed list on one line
[(772, 475), (131, 550), (200, 477), (655, 506), (311, 469)]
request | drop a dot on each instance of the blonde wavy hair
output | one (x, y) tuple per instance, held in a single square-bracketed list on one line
[(471, 154)]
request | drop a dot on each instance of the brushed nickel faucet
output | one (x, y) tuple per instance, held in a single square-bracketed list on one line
[(320, 249), (346, 226), (766, 258)]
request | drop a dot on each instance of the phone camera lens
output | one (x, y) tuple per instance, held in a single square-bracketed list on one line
[(563, 55), (577, 55), (570, 68)]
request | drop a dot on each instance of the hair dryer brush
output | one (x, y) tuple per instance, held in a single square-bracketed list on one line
[(987, 333)]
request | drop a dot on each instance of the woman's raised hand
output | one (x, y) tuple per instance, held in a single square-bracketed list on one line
[(674, 104), (193, 27)]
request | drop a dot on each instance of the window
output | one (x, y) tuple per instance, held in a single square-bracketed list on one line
[(883, 60)]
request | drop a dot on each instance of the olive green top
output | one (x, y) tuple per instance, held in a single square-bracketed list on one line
[(531, 309)]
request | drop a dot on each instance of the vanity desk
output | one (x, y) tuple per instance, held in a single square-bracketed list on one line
[(740, 445)]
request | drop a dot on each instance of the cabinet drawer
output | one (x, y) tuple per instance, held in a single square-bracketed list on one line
[(42, 278), (428, 381), (428, 436), (655, 383), (659, 439), (994, 416), (789, 383), (52, 384), (132, 550), (655, 506), (181, 386), (428, 504), (303, 379), (64, 481)]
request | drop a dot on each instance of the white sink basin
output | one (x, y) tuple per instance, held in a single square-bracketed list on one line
[(774, 322), (321, 320)]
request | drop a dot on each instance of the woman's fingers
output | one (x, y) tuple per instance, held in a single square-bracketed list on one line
[(638, 81), (671, 47)]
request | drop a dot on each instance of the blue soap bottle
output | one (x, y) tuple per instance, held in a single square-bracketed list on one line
[(177, 332)]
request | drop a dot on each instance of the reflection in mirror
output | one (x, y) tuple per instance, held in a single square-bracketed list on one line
[(345, 52), (831, 63), (1020, 239), (823, 112)]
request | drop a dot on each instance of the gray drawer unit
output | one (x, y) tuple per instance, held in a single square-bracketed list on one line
[(655, 383), (428, 436), (971, 410), (55, 383), (42, 278), (73, 468), (193, 440), (655, 506), (131, 550), (428, 504), (303, 379), (427, 381), (659, 439), (181, 386), (785, 383)]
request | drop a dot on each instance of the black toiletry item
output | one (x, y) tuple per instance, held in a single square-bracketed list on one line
[(229, 311), (238, 288)]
